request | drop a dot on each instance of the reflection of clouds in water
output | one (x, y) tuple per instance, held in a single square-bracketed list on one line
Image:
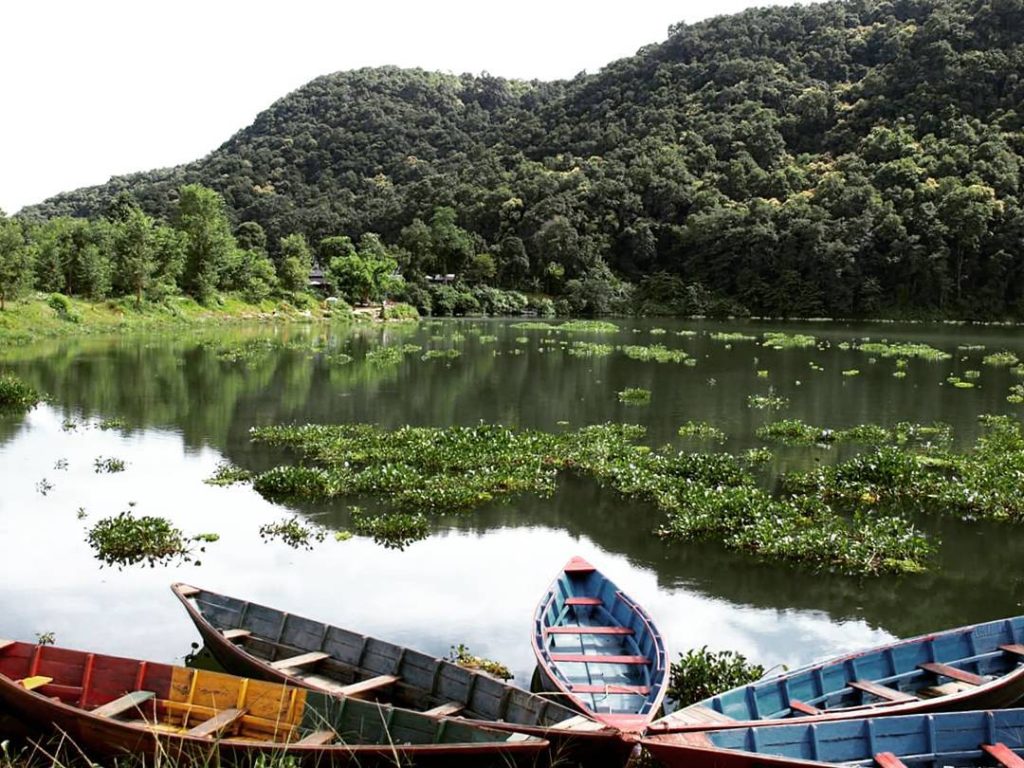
[(455, 587)]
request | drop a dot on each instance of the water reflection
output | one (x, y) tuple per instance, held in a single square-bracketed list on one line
[(475, 581)]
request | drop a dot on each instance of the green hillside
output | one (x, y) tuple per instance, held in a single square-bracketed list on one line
[(840, 159)]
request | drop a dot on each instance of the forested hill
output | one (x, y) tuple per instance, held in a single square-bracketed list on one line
[(843, 158)]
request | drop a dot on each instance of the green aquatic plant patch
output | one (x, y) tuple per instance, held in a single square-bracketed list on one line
[(731, 336), (16, 396), (981, 483), (293, 532), (657, 353), (392, 530), (1000, 358), (417, 471), (778, 340), (635, 396), (228, 474), (590, 349), (905, 349), (702, 430), (125, 539)]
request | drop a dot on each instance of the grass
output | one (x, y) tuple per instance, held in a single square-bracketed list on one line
[(39, 316)]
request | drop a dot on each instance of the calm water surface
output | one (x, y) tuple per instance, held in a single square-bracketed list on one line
[(476, 579)]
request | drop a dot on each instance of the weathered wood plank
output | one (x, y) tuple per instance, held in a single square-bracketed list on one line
[(302, 660), (1004, 755), (881, 691), (219, 722), (235, 634), (641, 690), (35, 681), (597, 658), (128, 702), (798, 706), (1015, 648), (364, 687), (889, 760), (584, 601), (318, 738), (445, 710), (953, 673), (187, 590), (588, 631)]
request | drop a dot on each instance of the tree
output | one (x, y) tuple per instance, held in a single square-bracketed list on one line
[(451, 245), (14, 259), (209, 245), (134, 253), (294, 263), (380, 265)]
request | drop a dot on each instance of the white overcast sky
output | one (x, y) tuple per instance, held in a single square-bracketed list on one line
[(96, 88)]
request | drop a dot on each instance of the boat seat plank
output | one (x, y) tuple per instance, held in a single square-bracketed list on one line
[(445, 710), (1015, 648), (369, 685), (219, 722), (953, 673), (323, 683), (302, 660), (641, 690), (126, 703), (578, 723), (186, 590), (946, 689), (889, 760), (588, 631), (598, 658), (881, 691), (798, 706), (235, 634), (584, 601), (36, 681), (1004, 755), (318, 738)]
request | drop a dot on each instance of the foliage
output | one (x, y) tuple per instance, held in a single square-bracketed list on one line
[(395, 530), (702, 430), (770, 401), (460, 655), (700, 674), (635, 396), (127, 540), (228, 474), (15, 260), (656, 352), (16, 396), (209, 244), (109, 464), (1000, 358), (293, 532), (399, 311), (417, 471), (779, 340)]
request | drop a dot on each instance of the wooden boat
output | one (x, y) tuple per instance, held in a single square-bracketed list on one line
[(269, 644), (112, 706), (977, 738), (972, 667), (599, 648)]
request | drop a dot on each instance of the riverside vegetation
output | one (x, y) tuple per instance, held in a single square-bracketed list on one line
[(855, 158)]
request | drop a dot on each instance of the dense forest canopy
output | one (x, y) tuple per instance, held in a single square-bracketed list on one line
[(845, 158)]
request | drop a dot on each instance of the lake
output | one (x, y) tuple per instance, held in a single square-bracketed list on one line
[(185, 402)]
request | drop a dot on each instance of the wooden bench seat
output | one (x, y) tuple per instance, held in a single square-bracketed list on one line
[(641, 690), (1015, 648), (1003, 755), (219, 722), (881, 691), (127, 703), (36, 681), (952, 673), (318, 738), (589, 631), (302, 660), (598, 658), (798, 706), (235, 634), (363, 687), (445, 710), (584, 601), (889, 760)]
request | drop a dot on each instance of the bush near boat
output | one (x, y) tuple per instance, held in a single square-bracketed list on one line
[(700, 674), (16, 396)]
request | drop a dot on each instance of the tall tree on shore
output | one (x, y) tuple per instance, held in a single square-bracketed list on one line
[(209, 243), (14, 259), (134, 253)]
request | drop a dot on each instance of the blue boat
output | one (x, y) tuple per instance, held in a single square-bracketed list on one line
[(977, 738), (972, 667), (599, 648)]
